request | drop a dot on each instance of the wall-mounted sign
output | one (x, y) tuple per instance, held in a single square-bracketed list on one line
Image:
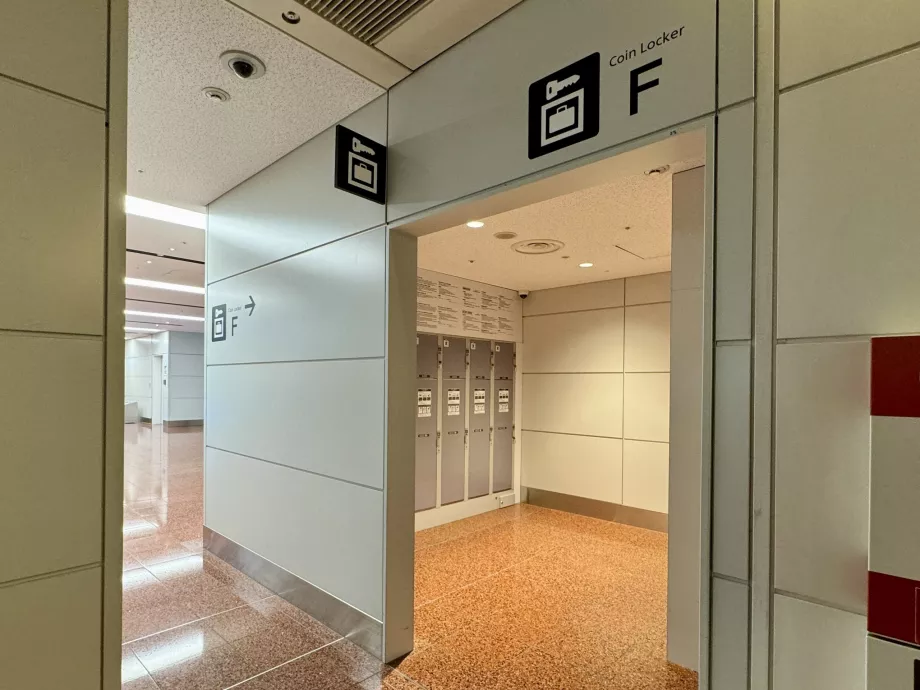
[(225, 321), (564, 108), (360, 165), (424, 402)]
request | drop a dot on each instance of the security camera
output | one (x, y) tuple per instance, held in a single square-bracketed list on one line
[(243, 65), (242, 68), (523, 294)]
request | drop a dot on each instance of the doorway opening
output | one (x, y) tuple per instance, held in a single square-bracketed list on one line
[(559, 426)]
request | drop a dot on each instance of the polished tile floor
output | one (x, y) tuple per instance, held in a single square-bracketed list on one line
[(522, 598)]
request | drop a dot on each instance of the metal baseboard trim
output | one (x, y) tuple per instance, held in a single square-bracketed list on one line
[(182, 424), (602, 510), (347, 621)]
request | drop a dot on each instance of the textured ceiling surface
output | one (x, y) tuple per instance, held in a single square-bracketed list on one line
[(191, 149), (623, 228)]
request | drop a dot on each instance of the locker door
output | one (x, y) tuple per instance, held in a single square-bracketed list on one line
[(480, 416), (453, 419), (426, 423), (503, 436)]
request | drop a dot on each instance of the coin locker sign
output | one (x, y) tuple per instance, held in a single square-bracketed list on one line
[(360, 165)]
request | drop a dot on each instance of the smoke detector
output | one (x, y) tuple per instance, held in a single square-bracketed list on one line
[(212, 93), (537, 246), (505, 235)]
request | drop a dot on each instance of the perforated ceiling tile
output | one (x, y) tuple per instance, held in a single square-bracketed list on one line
[(623, 228), (191, 149)]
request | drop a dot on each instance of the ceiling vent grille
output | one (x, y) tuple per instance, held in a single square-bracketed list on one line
[(367, 20)]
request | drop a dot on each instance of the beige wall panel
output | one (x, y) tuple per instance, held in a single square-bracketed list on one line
[(645, 475), (735, 223), (52, 196), (687, 227), (574, 465), (59, 45), (51, 632), (587, 404), (729, 667), (848, 203), (51, 436), (818, 648), (649, 289), (645, 407), (736, 51), (581, 342), (822, 471), (821, 36), (648, 338), (603, 295)]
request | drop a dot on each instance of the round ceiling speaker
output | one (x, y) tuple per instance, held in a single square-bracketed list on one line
[(537, 246), (505, 235)]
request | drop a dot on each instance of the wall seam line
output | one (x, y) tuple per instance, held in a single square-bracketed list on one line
[(817, 602), (52, 92), (296, 361), (51, 574)]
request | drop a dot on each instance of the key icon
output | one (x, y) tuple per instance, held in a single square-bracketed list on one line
[(554, 88), (358, 147)]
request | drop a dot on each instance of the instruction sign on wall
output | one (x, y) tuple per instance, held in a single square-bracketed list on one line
[(504, 400), (424, 402), (479, 401), (453, 402), (449, 305)]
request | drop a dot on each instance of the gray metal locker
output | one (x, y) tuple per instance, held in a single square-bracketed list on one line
[(503, 436), (426, 423), (480, 410), (453, 419)]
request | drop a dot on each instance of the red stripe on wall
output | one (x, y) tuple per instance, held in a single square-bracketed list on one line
[(893, 607), (896, 376)]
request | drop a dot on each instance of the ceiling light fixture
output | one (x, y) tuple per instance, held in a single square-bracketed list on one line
[(586, 264), (158, 315), (170, 214), (157, 285), (291, 17), (172, 249), (149, 261), (135, 329), (475, 224)]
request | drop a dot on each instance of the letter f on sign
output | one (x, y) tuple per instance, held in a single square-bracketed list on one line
[(635, 88)]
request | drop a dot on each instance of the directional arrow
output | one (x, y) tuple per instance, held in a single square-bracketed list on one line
[(251, 306)]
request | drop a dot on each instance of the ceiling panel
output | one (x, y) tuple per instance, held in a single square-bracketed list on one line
[(164, 297), (623, 228), (160, 237), (191, 149), (164, 269)]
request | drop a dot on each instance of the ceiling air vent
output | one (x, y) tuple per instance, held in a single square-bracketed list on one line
[(367, 20), (537, 246)]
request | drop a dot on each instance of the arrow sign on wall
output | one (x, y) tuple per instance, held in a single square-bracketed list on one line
[(251, 306)]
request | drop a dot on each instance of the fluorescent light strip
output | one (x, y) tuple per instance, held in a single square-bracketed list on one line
[(156, 285), (170, 214), (134, 329), (178, 317)]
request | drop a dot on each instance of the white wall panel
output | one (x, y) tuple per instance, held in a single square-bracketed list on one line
[(342, 283), (324, 417), (470, 105), (266, 508), (186, 387), (649, 289), (186, 408), (688, 213), (574, 465), (729, 668), (292, 205), (822, 471), (581, 342), (51, 406), (736, 51), (735, 223), (602, 295), (138, 367), (51, 631), (648, 338), (731, 461), (186, 343), (186, 365), (645, 413), (817, 648), (588, 404), (52, 149), (645, 475), (61, 48), (890, 665), (821, 36), (137, 387), (850, 268)]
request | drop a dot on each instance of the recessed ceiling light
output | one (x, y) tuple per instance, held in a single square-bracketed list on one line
[(135, 329), (158, 315), (586, 264), (157, 285), (171, 214), (149, 261), (172, 249), (475, 224)]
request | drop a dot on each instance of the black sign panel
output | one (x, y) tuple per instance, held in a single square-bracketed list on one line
[(360, 165), (218, 323), (564, 108)]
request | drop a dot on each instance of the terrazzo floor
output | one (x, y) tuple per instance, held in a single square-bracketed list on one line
[(522, 598)]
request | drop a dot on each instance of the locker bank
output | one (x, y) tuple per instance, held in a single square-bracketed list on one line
[(462, 344)]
